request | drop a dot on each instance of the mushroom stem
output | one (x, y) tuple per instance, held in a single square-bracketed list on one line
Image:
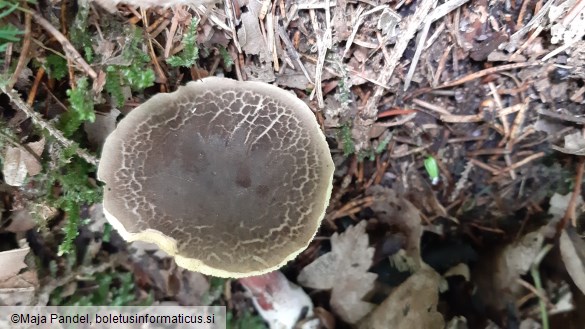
[(280, 302), (264, 287)]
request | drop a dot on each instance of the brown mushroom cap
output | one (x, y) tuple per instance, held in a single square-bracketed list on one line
[(232, 178)]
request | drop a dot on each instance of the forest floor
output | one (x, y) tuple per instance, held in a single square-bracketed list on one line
[(457, 129)]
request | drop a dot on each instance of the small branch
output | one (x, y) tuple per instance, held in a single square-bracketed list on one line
[(482, 73), (39, 121), (560, 116), (521, 163), (570, 212), (364, 120), (412, 25), (70, 51), (23, 59)]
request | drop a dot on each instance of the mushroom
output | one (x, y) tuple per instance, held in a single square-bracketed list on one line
[(231, 178)]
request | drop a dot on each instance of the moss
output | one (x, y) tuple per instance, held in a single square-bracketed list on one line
[(111, 288), (70, 176), (80, 110), (190, 53), (346, 140), (246, 321), (56, 66), (228, 61), (137, 75)]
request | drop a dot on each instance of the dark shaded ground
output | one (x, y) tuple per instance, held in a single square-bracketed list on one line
[(502, 119)]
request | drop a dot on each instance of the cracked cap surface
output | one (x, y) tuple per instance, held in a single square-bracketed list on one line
[(231, 178)]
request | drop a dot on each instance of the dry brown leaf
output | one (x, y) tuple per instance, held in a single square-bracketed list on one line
[(21, 220), (497, 274), (345, 271), (14, 170), (15, 287), (573, 253), (19, 290), (11, 262), (27, 217), (403, 216), (413, 304), (19, 162), (249, 35), (559, 204), (574, 144)]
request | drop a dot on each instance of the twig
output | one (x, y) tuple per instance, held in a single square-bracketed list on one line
[(171, 35), (482, 73), (324, 43), (368, 116), (484, 166), (437, 13), (356, 25), (419, 47), (570, 212), (70, 51), (442, 64), (536, 20), (398, 122), (561, 116), (36, 118), (444, 9), (292, 52), (157, 68), (23, 58), (412, 25), (33, 90), (231, 23), (521, 163), (351, 207), (521, 14)]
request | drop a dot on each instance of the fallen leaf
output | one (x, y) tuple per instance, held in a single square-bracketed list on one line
[(497, 273), (558, 207), (250, 35), (402, 216), (280, 302), (573, 254), (413, 304), (574, 144), (16, 288), (19, 290), (24, 219), (19, 162), (559, 204), (345, 271), (11, 262)]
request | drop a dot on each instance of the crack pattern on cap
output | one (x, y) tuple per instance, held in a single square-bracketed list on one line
[(237, 173)]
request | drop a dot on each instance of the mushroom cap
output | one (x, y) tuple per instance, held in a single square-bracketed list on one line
[(231, 178)]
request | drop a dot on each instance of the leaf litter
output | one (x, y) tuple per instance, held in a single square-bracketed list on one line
[(488, 90)]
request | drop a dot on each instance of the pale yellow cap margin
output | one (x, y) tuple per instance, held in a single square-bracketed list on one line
[(169, 245)]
